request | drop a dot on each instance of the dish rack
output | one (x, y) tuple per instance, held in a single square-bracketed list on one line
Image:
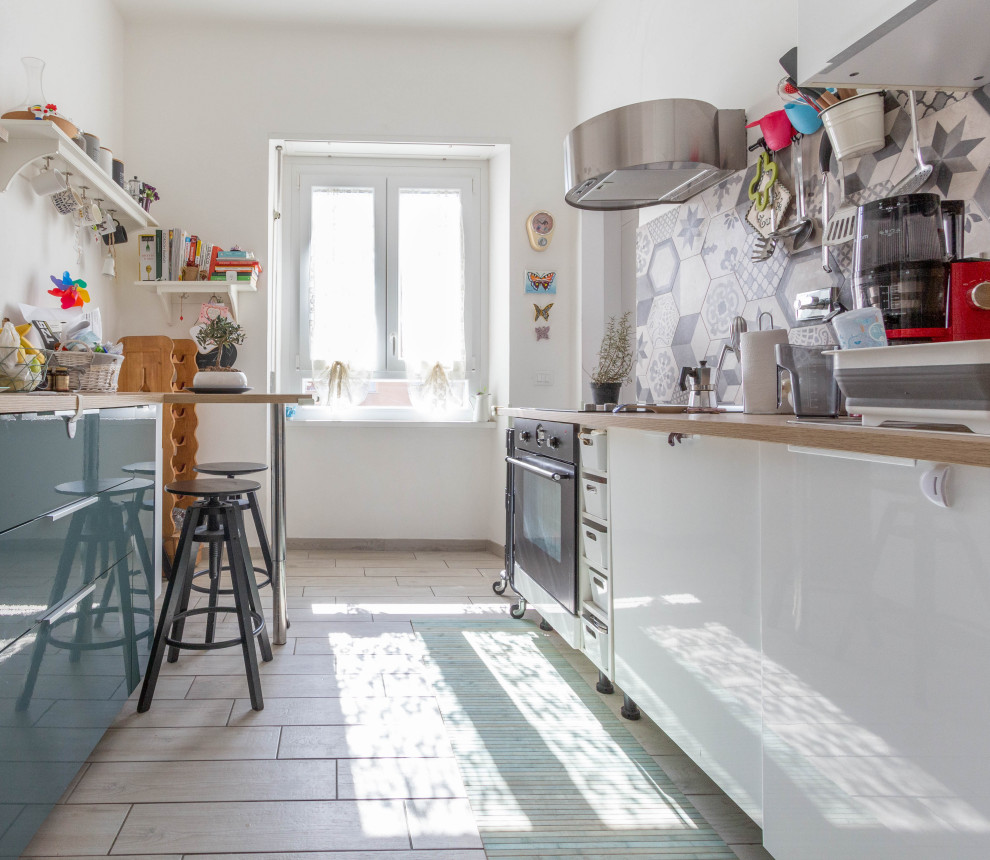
[(88, 370), (22, 371)]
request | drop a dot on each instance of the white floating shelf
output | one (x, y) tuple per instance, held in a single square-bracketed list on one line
[(30, 140), (167, 289)]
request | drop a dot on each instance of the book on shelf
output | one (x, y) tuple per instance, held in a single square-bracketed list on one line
[(239, 277)]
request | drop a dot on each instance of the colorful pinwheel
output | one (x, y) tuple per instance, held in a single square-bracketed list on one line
[(73, 293)]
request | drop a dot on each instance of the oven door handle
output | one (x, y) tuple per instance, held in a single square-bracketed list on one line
[(544, 473)]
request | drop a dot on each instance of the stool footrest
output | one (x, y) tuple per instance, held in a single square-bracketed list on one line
[(265, 580), (258, 618)]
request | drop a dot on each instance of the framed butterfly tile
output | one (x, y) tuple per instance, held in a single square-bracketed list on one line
[(539, 283)]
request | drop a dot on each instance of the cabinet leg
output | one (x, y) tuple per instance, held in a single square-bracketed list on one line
[(629, 710), (544, 625), (604, 685)]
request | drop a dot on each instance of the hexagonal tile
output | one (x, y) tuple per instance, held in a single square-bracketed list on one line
[(643, 306), (723, 302), (811, 335), (699, 344), (723, 195), (803, 273), (684, 333), (662, 374), (663, 267), (663, 320), (753, 310), (644, 247), (691, 285), (759, 280), (644, 288), (723, 242), (692, 225)]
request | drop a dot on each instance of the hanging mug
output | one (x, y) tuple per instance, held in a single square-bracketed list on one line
[(49, 181), (66, 201)]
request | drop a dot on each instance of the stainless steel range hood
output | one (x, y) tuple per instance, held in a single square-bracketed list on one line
[(662, 151)]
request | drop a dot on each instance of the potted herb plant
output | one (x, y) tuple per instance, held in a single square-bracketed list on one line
[(223, 335), (615, 361)]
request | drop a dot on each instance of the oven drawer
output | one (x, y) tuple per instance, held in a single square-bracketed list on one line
[(594, 450), (594, 540)]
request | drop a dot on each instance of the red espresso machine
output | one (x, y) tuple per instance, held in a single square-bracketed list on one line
[(908, 262)]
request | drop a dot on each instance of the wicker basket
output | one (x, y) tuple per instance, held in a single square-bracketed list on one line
[(88, 370), (20, 371)]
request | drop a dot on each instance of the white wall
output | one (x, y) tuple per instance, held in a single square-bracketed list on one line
[(721, 51), (35, 241), (202, 107)]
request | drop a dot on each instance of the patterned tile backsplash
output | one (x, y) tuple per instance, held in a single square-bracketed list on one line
[(693, 266)]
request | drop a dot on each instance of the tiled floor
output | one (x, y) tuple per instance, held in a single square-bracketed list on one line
[(353, 757)]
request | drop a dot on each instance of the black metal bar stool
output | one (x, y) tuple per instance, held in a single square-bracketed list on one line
[(232, 470), (215, 518)]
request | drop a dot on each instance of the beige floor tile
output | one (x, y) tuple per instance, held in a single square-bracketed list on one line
[(727, 819), (305, 579), (380, 778), (345, 711), (166, 713), (189, 744), (368, 555), (408, 740), (686, 775), (436, 824), (78, 830), (406, 642), (190, 781), (290, 686), (453, 854), (402, 664), (283, 663), (421, 571), (175, 687), (379, 562), (118, 857), (371, 590), (452, 612), (751, 852), (258, 827), (408, 684), (445, 590), (473, 580), (475, 559)]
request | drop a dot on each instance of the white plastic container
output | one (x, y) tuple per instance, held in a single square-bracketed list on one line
[(594, 450), (596, 640), (599, 590), (594, 495), (855, 125), (595, 543)]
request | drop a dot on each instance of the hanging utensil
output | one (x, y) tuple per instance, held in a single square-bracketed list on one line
[(919, 175), (841, 227), (803, 226)]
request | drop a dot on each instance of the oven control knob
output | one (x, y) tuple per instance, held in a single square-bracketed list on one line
[(980, 295), (553, 442), (525, 435)]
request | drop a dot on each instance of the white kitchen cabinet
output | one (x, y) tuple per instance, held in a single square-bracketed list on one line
[(924, 44), (685, 583), (876, 639)]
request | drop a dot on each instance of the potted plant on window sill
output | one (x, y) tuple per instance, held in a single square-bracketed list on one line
[(223, 335), (615, 361)]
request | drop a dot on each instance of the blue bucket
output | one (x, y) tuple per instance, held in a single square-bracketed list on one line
[(803, 117)]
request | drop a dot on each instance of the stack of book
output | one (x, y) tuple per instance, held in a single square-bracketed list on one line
[(235, 265), (164, 254)]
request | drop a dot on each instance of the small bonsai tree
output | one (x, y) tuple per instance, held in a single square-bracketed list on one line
[(221, 332), (615, 358)]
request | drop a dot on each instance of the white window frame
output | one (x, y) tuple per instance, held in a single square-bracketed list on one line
[(386, 175)]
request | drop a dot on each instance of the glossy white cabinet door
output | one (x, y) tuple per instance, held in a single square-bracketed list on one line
[(876, 608), (685, 579)]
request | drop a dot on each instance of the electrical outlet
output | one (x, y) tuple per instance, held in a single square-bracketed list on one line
[(543, 377)]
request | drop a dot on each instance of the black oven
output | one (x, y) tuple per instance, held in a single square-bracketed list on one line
[(543, 487)]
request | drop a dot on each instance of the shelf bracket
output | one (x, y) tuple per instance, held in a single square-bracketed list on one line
[(232, 295), (19, 153)]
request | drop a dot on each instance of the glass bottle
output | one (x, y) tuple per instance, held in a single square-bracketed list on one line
[(35, 100)]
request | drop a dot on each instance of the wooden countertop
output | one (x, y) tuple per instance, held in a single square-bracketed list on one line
[(43, 401), (962, 448)]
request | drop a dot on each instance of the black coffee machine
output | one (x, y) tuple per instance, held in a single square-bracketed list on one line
[(902, 258)]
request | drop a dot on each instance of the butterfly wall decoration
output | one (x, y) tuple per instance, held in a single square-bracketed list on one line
[(541, 282), (542, 312), (543, 332)]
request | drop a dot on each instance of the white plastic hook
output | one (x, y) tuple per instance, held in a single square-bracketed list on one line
[(934, 485)]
